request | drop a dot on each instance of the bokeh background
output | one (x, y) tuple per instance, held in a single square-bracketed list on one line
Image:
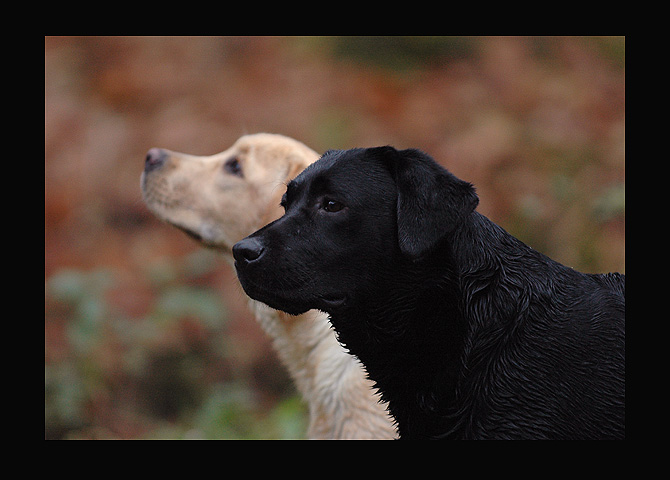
[(147, 334)]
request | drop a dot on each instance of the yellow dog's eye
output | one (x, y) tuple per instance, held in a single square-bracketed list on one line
[(233, 167), (332, 206)]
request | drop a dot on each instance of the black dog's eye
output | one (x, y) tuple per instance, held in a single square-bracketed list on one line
[(332, 206), (233, 167)]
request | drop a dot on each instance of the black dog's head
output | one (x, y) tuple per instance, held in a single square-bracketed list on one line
[(350, 219)]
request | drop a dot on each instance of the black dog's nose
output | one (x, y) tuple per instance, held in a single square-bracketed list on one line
[(248, 250), (155, 158)]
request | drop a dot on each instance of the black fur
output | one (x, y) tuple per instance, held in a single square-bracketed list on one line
[(467, 332)]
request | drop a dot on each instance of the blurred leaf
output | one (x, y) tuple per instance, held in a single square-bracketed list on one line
[(163, 272), (85, 329), (184, 301), (64, 397), (563, 187), (403, 53), (611, 203), (66, 286), (334, 127), (202, 262), (227, 413), (84, 291), (290, 418), (70, 286)]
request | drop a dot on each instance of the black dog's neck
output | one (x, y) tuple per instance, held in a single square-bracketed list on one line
[(409, 332), (416, 339)]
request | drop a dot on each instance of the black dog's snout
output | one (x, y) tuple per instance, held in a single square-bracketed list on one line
[(248, 250), (155, 158)]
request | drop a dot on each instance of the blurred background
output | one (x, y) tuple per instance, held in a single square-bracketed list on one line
[(147, 334)]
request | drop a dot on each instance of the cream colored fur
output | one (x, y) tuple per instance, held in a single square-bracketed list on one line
[(197, 194)]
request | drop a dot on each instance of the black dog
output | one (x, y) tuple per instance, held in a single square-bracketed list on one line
[(467, 332)]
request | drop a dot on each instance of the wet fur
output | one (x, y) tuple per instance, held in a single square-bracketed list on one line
[(467, 332)]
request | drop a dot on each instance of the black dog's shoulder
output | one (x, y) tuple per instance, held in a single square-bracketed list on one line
[(544, 341), (614, 281)]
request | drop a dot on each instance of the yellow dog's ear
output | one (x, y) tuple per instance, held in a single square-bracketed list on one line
[(296, 164), (431, 201)]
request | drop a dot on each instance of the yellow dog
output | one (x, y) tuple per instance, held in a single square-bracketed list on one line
[(219, 200)]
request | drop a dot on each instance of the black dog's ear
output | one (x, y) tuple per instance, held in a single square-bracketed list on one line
[(431, 201)]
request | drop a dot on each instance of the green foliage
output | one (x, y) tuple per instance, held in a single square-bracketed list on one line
[(611, 203), (165, 371), (403, 53)]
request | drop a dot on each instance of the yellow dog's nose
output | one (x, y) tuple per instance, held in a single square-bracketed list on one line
[(155, 158)]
